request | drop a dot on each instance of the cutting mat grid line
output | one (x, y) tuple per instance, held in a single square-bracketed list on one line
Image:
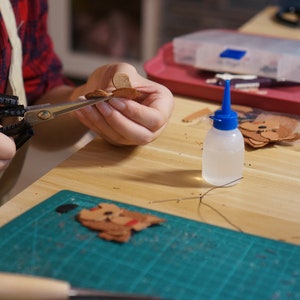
[(179, 259)]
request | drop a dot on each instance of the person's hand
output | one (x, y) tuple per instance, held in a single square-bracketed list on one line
[(122, 121), (7, 150)]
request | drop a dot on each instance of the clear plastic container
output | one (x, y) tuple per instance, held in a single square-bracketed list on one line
[(224, 148), (223, 157), (235, 52)]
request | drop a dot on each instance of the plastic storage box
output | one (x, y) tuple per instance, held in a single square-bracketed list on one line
[(235, 52), (188, 81)]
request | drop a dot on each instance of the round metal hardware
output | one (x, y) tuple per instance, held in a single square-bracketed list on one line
[(44, 115)]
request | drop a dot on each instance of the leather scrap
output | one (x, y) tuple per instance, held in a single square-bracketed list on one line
[(97, 94), (121, 80), (123, 89), (114, 223), (127, 93)]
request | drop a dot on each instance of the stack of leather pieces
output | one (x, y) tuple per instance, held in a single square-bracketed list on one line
[(262, 129)]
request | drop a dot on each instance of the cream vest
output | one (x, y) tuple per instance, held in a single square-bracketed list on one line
[(9, 177)]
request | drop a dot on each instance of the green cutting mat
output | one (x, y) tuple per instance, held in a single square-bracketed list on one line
[(180, 259)]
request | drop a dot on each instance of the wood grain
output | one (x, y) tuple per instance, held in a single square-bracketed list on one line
[(266, 202)]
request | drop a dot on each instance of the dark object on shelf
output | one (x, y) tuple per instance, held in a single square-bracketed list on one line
[(289, 13)]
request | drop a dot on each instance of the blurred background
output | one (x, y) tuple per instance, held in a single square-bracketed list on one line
[(88, 33)]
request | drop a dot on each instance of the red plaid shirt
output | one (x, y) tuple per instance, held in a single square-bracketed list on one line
[(41, 67)]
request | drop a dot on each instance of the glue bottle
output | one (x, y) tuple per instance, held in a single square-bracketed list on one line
[(223, 149)]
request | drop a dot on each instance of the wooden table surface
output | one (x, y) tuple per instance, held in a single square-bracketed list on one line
[(266, 202)]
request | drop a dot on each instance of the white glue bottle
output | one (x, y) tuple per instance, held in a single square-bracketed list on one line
[(223, 149)]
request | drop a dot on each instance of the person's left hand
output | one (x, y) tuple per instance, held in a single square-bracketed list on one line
[(122, 121), (7, 150)]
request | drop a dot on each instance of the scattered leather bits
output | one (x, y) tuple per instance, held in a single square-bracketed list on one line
[(123, 89), (196, 115), (115, 223)]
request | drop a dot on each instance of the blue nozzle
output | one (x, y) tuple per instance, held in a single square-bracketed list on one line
[(226, 104), (225, 118)]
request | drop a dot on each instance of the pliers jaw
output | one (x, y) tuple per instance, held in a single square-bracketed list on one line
[(9, 100), (21, 131)]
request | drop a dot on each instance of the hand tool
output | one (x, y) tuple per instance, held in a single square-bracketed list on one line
[(27, 287), (32, 115)]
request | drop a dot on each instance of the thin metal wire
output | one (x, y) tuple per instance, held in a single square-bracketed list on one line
[(200, 197), (194, 197)]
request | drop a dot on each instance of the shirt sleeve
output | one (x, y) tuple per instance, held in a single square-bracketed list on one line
[(42, 69)]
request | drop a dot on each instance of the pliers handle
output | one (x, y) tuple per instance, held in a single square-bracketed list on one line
[(21, 131)]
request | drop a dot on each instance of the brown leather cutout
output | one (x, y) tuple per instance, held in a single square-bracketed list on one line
[(121, 80), (123, 89), (114, 223)]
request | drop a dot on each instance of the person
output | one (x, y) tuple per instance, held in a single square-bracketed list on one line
[(7, 150), (118, 121)]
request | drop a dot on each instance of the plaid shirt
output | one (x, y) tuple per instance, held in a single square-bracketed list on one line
[(42, 69)]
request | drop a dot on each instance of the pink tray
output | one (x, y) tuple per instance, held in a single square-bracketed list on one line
[(188, 81)]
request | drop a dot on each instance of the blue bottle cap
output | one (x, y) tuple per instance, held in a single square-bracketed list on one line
[(225, 118)]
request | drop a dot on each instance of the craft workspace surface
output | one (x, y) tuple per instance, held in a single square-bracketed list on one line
[(265, 202), (179, 259), (200, 239)]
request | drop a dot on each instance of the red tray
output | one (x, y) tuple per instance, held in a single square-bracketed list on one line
[(188, 81)]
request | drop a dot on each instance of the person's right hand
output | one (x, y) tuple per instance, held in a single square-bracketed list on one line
[(7, 150), (123, 121)]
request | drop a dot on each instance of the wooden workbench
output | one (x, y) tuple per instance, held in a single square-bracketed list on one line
[(266, 202)]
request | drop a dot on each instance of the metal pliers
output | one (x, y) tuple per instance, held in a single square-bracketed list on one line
[(27, 117)]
